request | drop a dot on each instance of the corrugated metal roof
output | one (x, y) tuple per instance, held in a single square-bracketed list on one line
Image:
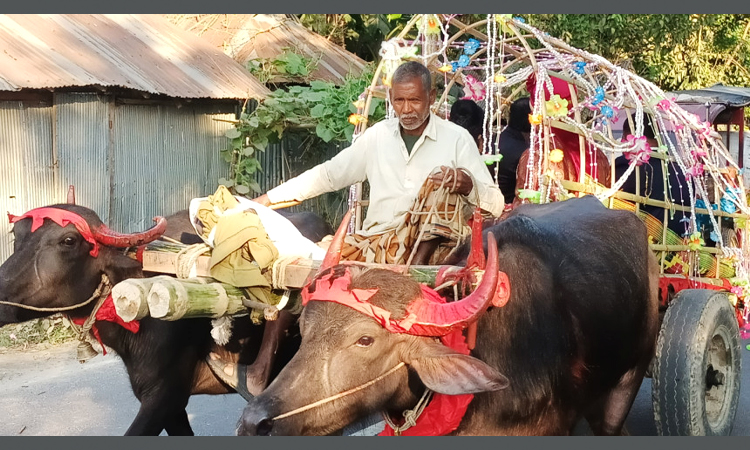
[(142, 52), (249, 36)]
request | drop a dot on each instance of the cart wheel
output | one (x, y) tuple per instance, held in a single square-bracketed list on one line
[(696, 379)]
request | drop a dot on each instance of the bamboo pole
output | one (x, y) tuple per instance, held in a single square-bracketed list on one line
[(129, 297), (174, 299)]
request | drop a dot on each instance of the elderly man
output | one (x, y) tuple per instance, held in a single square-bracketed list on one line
[(425, 174), (405, 160)]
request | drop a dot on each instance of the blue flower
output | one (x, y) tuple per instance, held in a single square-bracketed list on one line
[(578, 67), (455, 66), (599, 97), (463, 61), (519, 19), (471, 46), (607, 111)]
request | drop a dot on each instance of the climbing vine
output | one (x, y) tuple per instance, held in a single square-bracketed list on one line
[(322, 108)]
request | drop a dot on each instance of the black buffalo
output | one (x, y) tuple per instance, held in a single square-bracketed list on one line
[(574, 340), (165, 361)]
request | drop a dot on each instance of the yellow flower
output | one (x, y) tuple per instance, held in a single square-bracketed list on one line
[(695, 242), (556, 155), (356, 119), (446, 68), (535, 119), (557, 106), (359, 104), (432, 24), (500, 78)]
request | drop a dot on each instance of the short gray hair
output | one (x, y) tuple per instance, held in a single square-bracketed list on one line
[(410, 70)]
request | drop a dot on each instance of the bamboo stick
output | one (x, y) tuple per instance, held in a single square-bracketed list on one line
[(129, 297), (174, 299)]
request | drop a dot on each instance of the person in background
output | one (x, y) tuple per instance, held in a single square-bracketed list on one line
[(468, 114), (652, 181), (512, 142)]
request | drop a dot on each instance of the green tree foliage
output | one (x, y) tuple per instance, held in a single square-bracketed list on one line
[(322, 108), (675, 51)]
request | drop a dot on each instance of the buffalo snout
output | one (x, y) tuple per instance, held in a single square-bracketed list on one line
[(255, 421)]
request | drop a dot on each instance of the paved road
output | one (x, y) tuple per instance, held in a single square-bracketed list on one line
[(49, 393)]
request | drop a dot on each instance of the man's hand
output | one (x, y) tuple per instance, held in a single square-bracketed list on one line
[(263, 200), (457, 181)]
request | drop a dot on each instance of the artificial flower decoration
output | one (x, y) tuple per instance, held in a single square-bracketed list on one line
[(359, 104), (556, 155), (471, 46), (463, 61), (598, 96), (492, 159), (665, 104), (694, 172), (695, 242), (519, 19), (579, 67), (704, 130), (640, 151), (432, 25), (500, 78), (356, 119), (535, 119), (557, 106), (699, 153), (530, 195), (445, 68), (607, 111), (454, 66), (503, 19), (474, 89)]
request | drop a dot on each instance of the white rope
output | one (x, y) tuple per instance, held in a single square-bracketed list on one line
[(410, 415), (185, 267)]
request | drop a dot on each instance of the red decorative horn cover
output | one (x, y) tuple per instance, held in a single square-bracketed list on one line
[(333, 256), (111, 238), (438, 319)]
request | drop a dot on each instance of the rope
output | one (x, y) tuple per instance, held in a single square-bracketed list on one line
[(339, 395), (103, 291), (187, 257), (104, 282), (410, 415), (278, 271)]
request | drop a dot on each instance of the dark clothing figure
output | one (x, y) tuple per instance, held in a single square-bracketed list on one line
[(652, 186), (512, 143)]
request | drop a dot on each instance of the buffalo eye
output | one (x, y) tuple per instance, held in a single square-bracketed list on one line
[(69, 241), (365, 341)]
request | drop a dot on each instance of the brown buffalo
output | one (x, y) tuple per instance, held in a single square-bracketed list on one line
[(574, 340)]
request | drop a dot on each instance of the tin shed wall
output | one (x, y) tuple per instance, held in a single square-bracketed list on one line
[(163, 157), (25, 162)]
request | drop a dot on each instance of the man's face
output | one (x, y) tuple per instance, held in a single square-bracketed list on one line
[(412, 103)]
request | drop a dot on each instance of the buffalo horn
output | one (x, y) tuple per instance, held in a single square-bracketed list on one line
[(105, 236), (439, 319), (333, 256), (71, 195)]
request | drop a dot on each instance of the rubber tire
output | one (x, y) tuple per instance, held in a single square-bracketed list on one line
[(694, 319)]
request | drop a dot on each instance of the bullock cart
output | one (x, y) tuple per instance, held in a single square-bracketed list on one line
[(704, 266)]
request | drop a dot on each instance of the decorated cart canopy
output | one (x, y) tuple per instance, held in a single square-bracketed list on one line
[(577, 100)]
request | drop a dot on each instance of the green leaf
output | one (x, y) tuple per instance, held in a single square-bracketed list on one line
[(318, 111), (248, 151), (255, 187), (242, 190), (260, 142), (232, 133), (312, 96), (253, 122), (349, 132), (324, 132), (394, 16), (318, 85), (228, 183)]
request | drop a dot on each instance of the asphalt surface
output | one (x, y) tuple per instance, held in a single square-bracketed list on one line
[(46, 393)]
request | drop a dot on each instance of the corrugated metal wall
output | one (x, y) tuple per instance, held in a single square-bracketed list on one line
[(291, 157), (25, 162), (152, 162), (172, 158)]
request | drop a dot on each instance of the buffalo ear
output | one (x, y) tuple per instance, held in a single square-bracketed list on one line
[(451, 373), (119, 267)]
